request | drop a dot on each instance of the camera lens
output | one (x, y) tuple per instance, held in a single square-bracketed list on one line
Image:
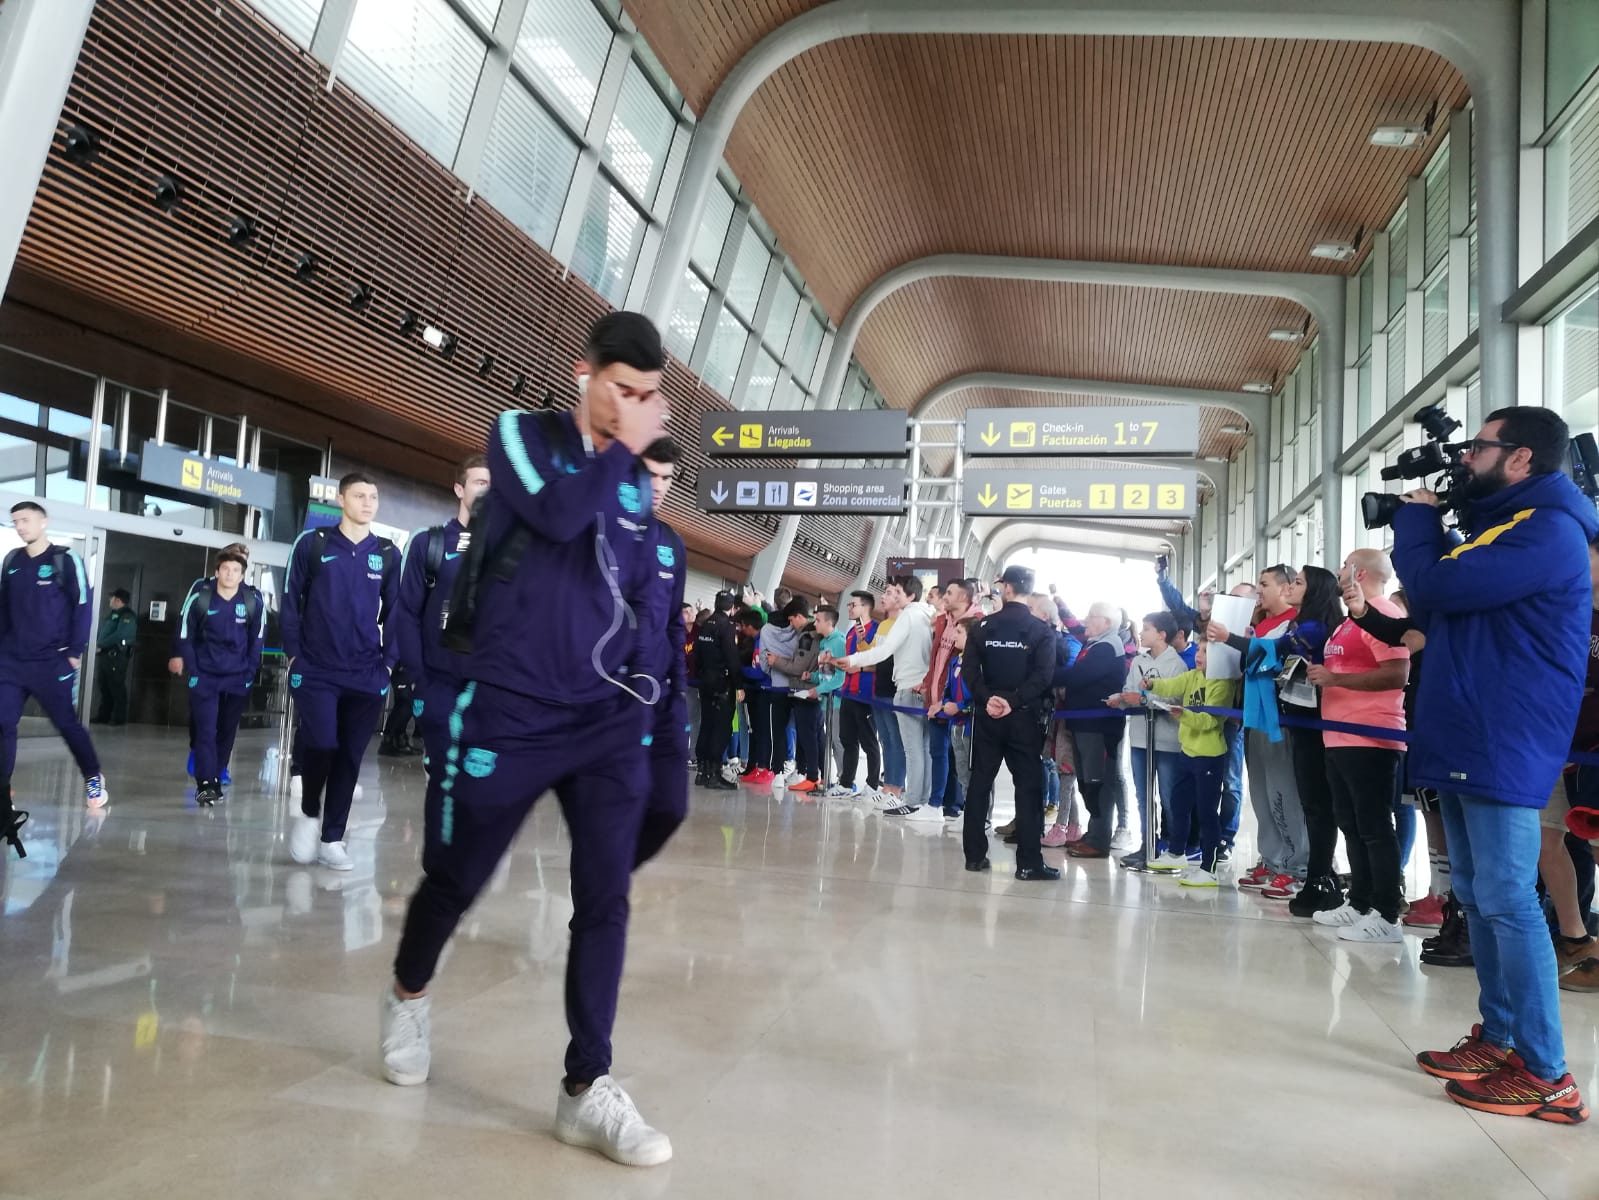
[(1377, 509)]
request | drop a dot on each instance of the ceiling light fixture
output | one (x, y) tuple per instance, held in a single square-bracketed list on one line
[(1235, 429), (1334, 251), (435, 337), (408, 323), (360, 295), (240, 230), (1398, 137), (485, 365), (1286, 335), (518, 383), (81, 145), (168, 193), (1261, 387), (305, 267)]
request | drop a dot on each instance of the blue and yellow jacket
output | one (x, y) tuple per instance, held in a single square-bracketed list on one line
[(1507, 617)]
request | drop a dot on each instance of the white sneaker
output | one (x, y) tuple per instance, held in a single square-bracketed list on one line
[(1198, 877), (304, 834), (406, 1028), (604, 1118), (1170, 862), (792, 778), (732, 770), (883, 801), (839, 792), (1343, 916), (94, 792), (1123, 839), (790, 767), (1372, 928), (927, 812), (296, 788), (334, 857)]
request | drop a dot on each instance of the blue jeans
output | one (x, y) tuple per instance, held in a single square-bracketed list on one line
[(1168, 768), (1197, 800), (1404, 824), (1232, 792), (939, 777), (1051, 784), (1493, 859), (893, 745)]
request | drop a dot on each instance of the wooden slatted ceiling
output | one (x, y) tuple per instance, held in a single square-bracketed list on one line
[(216, 96)]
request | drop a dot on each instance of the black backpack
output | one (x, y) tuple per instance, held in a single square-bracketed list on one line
[(60, 559), (252, 598), (481, 562), (319, 541)]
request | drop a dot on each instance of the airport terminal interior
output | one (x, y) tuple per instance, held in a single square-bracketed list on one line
[(1128, 307)]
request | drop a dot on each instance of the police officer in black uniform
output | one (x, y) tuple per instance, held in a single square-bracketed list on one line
[(1010, 660), (716, 672)]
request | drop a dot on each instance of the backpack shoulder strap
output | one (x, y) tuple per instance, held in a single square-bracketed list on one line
[(434, 562)]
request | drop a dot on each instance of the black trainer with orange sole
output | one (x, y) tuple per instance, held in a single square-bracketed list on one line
[(1514, 1091)]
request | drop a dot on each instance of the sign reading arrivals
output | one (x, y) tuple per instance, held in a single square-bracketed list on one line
[(1156, 494), (869, 433), (836, 490), (170, 467), (1120, 431)]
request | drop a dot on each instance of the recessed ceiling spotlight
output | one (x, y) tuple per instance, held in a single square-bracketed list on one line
[(168, 193), (1334, 251), (81, 145), (1286, 335), (1398, 137), (1261, 387)]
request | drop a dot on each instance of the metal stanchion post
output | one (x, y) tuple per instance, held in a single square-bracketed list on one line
[(830, 709), (1151, 797)]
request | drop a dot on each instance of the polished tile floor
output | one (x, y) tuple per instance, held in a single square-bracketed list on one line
[(818, 1003)]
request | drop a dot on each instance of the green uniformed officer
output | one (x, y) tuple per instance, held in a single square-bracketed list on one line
[(113, 654)]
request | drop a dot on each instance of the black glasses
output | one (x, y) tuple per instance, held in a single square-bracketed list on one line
[(1478, 445)]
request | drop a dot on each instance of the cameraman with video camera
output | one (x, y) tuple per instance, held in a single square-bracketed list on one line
[(1506, 614)]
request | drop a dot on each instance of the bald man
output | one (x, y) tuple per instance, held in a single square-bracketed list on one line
[(1363, 683)]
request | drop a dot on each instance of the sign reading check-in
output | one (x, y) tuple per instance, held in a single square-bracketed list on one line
[(1168, 495), (1120, 431), (871, 433), (167, 466)]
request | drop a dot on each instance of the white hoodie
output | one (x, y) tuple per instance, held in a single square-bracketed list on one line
[(909, 642)]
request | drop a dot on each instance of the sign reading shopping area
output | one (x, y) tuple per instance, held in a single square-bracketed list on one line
[(168, 466), (801, 491), (870, 433), (1161, 495), (1115, 430)]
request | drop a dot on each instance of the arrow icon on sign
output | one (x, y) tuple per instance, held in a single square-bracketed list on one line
[(719, 492), (721, 437), (987, 496), (991, 436)]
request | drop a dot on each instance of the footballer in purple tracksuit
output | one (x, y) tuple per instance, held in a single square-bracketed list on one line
[(564, 707), (45, 612), (219, 638), (427, 578), (661, 635), (340, 587)]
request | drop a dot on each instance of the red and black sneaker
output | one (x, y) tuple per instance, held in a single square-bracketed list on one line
[(1514, 1091), (1471, 1058)]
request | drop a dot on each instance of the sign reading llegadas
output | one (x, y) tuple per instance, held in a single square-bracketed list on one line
[(1160, 495), (170, 467), (870, 433), (1118, 430)]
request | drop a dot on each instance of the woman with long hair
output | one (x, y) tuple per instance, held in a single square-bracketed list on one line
[(1316, 594)]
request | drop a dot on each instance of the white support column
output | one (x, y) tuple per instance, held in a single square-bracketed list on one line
[(874, 551), (39, 45), (1330, 362), (588, 160), (332, 31), (490, 87), (1535, 167), (1459, 251)]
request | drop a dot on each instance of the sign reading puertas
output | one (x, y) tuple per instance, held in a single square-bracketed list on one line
[(1158, 495), (171, 467)]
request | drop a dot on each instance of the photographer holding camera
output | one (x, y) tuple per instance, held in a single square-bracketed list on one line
[(1506, 614)]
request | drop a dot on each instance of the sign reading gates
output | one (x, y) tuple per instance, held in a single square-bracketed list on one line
[(1122, 430), (1168, 495), (869, 433), (167, 466), (735, 489)]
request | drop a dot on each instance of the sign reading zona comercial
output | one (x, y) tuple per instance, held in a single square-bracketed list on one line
[(869, 433), (735, 489), (1161, 495), (1119, 430)]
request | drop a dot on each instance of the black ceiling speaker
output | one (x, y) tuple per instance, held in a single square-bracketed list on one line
[(305, 266), (407, 323), (240, 231), (518, 383), (485, 365), (360, 295), (82, 145), (168, 193)]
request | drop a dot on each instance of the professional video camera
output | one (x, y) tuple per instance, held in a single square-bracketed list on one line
[(1441, 457), (1437, 456)]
